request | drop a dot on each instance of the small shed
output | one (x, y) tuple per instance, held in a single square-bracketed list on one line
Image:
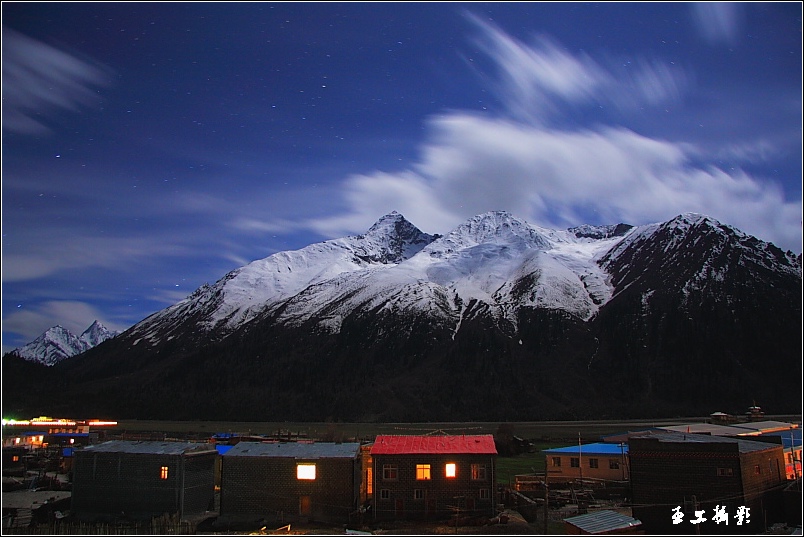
[(143, 479), (602, 523), (290, 481)]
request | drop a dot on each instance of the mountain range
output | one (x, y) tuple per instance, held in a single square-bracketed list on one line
[(58, 343), (498, 319)]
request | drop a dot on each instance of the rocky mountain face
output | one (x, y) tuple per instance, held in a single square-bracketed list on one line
[(58, 343), (496, 320)]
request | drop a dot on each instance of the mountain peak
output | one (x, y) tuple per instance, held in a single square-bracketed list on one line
[(392, 239), (496, 227)]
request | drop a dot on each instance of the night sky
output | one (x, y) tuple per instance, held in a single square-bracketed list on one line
[(149, 148)]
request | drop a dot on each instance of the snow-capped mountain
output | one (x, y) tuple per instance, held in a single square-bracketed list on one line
[(58, 343), (497, 319), (490, 260)]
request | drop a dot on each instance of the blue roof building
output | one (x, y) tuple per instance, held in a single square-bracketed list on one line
[(601, 460)]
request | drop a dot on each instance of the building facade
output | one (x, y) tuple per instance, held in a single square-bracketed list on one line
[(290, 481), (676, 476), (435, 477), (139, 480), (601, 461)]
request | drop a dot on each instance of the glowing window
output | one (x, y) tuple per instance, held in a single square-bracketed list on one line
[(163, 474), (450, 469), (15, 458), (422, 471), (305, 471)]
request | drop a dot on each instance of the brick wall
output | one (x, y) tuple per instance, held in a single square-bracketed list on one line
[(398, 498), (131, 485), (267, 487), (664, 476)]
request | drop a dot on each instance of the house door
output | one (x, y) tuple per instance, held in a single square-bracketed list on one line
[(399, 507), (304, 505)]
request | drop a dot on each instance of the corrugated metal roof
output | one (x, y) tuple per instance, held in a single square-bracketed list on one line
[(149, 447), (603, 521), (418, 445), (298, 450), (599, 448)]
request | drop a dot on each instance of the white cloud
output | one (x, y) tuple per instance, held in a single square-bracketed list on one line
[(38, 79), (559, 177)]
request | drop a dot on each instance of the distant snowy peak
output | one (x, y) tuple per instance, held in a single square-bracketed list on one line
[(58, 343), (96, 334)]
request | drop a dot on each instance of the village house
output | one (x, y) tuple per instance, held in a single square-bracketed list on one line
[(289, 481), (433, 476), (143, 479), (679, 478), (600, 461)]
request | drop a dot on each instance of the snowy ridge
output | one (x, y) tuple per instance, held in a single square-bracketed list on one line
[(493, 259)]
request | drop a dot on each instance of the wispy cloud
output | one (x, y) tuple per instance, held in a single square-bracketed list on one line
[(39, 79), (717, 22), (539, 81)]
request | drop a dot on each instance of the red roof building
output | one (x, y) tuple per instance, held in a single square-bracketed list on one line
[(433, 477), (442, 445)]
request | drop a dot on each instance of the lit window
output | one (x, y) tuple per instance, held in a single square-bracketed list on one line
[(369, 481), (163, 474), (422, 471), (305, 471), (450, 469), (15, 458), (479, 472)]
